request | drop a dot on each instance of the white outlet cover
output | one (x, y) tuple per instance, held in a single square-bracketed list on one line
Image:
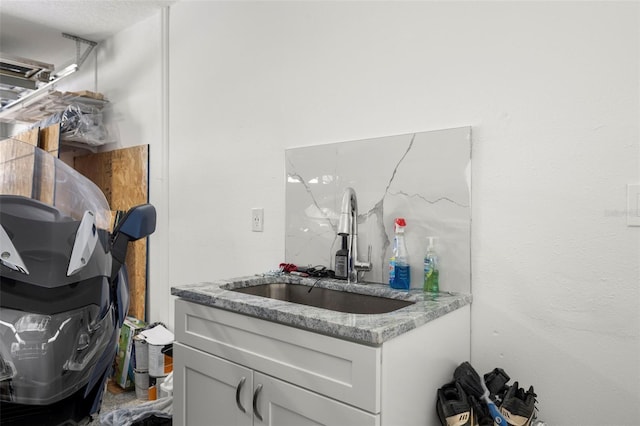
[(257, 220), (633, 204)]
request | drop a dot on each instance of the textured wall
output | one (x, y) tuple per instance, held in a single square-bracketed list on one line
[(551, 90)]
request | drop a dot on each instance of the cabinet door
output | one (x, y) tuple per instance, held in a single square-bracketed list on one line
[(342, 370), (277, 403), (210, 391)]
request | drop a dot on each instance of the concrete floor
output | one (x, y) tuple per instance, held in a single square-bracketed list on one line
[(114, 400)]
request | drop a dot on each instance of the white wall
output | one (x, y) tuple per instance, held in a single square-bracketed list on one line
[(130, 72), (552, 92)]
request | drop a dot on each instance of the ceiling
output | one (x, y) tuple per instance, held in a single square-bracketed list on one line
[(32, 28)]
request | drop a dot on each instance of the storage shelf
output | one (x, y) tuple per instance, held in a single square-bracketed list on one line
[(47, 104)]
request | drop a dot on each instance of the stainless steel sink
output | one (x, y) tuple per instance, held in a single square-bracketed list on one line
[(325, 298)]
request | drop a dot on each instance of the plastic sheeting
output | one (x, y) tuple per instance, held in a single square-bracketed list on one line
[(152, 412), (80, 123)]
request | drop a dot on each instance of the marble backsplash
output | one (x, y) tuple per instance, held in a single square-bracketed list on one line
[(424, 177)]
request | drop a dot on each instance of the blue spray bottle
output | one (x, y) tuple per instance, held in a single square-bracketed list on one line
[(399, 270)]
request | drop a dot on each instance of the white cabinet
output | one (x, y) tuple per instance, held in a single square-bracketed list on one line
[(232, 369), (214, 391), (281, 404)]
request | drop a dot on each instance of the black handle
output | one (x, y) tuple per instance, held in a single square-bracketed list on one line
[(255, 402), (238, 390)]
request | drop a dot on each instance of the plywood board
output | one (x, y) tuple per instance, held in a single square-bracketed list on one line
[(16, 168), (44, 187), (50, 139), (19, 162), (122, 175), (88, 94), (28, 136)]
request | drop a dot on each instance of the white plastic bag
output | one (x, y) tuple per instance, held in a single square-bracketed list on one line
[(127, 416)]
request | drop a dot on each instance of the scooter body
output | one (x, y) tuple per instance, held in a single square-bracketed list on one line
[(64, 291)]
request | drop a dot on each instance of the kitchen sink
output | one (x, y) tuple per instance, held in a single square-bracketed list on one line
[(319, 297)]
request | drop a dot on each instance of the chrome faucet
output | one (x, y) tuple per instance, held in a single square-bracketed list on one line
[(348, 226)]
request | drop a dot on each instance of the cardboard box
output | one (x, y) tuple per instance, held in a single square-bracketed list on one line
[(124, 366)]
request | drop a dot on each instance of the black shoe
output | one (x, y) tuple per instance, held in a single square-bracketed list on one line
[(481, 415), (496, 382), (518, 407), (469, 379), (453, 406)]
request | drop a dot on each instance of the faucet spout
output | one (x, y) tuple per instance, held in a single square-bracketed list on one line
[(348, 226), (348, 211)]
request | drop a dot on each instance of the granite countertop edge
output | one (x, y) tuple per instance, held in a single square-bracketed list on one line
[(370, 329)]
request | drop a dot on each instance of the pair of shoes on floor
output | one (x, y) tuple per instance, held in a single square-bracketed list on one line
[(454, 407), (459, 402), (457, 408), (518, 406)]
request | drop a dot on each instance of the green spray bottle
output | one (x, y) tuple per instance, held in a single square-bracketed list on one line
[(431, 268)]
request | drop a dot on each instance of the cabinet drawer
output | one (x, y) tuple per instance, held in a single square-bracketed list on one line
[(343, 370)]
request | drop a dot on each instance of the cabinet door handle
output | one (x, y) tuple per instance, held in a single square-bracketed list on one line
[(255, 402), (238, 390)]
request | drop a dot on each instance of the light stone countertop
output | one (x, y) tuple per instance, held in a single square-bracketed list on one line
[(370, 329)]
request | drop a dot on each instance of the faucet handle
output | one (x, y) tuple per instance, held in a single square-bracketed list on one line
[(364, 266)]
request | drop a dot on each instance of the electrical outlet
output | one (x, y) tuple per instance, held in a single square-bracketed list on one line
[(257, 220), (633, 204)]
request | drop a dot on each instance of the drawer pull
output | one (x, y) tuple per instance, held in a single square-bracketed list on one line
[(238, 390), (255, 402)]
